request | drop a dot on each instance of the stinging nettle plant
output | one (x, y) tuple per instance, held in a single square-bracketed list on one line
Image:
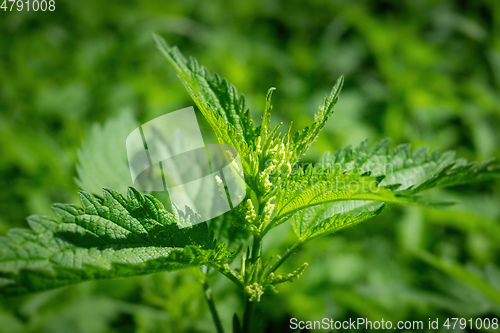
[(113, 236)]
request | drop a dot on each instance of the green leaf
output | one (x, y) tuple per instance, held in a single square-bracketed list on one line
[(325, 219), (315, 186), (459, 173), (414, 171), (219, 102), (105, 238), (102, 159), (217, 97), (401, 174)]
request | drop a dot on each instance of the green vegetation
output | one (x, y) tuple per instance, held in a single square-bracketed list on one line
[(410, 262)]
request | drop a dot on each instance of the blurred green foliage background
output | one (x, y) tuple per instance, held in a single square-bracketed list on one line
[(425, 72)]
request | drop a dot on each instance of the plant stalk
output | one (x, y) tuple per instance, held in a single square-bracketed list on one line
[(284, 257), (255, 254), (231, 277), (248, 316), (249, 305), (211, 306)]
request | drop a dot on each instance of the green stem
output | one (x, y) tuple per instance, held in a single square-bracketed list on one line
[(255, 254), (284, 257), (248, 316), (211, 305), (249, 305), (231, 277)]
